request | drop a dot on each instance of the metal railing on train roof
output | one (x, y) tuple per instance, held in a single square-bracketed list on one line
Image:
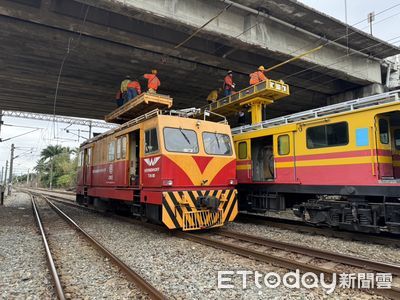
[(183, 113), (325, 111)]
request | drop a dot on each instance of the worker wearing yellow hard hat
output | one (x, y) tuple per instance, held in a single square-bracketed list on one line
[(258, 76)]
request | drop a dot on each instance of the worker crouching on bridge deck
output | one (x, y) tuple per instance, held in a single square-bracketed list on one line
[(258, 76), (213, 95), (228, 85), (134, 89), (153, 82), (124, 88)]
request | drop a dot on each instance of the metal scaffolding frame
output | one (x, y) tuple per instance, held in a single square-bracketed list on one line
[(59, 119)]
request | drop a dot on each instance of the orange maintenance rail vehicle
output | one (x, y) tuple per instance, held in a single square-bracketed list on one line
[(165, 167)]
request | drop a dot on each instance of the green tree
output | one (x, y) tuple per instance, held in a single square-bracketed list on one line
[(57, 166)]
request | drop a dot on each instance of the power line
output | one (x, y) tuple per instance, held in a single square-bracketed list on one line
[(7, 139), (64, 60)]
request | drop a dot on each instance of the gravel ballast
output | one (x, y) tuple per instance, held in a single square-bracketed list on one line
[(84, 272), (185, 270), (23, 268)]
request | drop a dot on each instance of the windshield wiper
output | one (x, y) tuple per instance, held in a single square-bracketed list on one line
[(185, 136), (216, 137)]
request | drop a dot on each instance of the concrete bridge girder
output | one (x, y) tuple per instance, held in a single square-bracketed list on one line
[(267, 37)]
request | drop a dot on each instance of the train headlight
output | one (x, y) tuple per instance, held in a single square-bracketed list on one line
[(233, 181), (168, 182)]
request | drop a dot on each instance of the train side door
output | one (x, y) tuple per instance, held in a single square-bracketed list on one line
[(383, 147), (134, 159), (285, 168), (87, 166), (243, 163), (262, 157), (396, 151)]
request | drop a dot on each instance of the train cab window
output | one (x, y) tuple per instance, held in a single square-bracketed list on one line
[(123, 147), (384, 131), (336, 134), (180, 140), (111, 151), (397, 139), (217, 143), (242, 149), (151, 141), (283, 145)]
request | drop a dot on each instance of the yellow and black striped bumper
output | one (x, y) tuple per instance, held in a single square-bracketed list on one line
[(179, 209)]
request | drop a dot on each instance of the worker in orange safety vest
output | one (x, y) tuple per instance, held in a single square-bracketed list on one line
[(134, 89), (152, 81), (228, 85), (258, 76)]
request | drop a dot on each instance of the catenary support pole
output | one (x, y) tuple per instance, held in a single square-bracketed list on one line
[(11, 169)]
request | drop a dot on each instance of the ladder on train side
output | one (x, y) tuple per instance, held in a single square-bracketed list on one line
[(325, 111)]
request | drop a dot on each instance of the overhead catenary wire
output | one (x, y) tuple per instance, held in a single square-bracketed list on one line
[(10, 138), (203, 26), (69, 50), (321, 83)]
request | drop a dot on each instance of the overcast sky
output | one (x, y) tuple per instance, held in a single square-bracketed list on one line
[(29, 146)]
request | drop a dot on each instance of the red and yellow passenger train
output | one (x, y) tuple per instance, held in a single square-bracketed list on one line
[(169, 169), (337, 165)]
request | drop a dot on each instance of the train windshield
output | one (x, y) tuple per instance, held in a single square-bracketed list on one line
[(217, 143), (180, 140)]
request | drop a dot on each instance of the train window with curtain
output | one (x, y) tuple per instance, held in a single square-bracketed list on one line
[(180, 140), (384, 131), (217, 143), (242, 150), (283, 144), (151, 141), (123, 147), (119, 148), (331, 135), (111, 151), (397, 139)]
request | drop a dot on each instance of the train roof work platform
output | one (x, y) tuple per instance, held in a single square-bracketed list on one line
[(255, 97), (139, 105)]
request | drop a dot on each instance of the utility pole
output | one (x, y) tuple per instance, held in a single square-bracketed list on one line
[(5, 174), (11, 169), (90, 129), (27, 179), (371, 18), (51, 173), (2, 173), (1, 122)]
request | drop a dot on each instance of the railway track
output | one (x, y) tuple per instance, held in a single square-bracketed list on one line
[(130, 274), (281, 254), (293, 257), (385, 239)]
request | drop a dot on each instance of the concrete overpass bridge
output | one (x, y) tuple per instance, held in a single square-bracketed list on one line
[(98, 42)]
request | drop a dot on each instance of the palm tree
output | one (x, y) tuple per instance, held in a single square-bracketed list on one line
[(49, 153)]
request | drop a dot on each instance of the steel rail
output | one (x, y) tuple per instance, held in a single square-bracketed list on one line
[(132, 275), (50, 261), (289, 264), (393, 293), (331, 256)]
